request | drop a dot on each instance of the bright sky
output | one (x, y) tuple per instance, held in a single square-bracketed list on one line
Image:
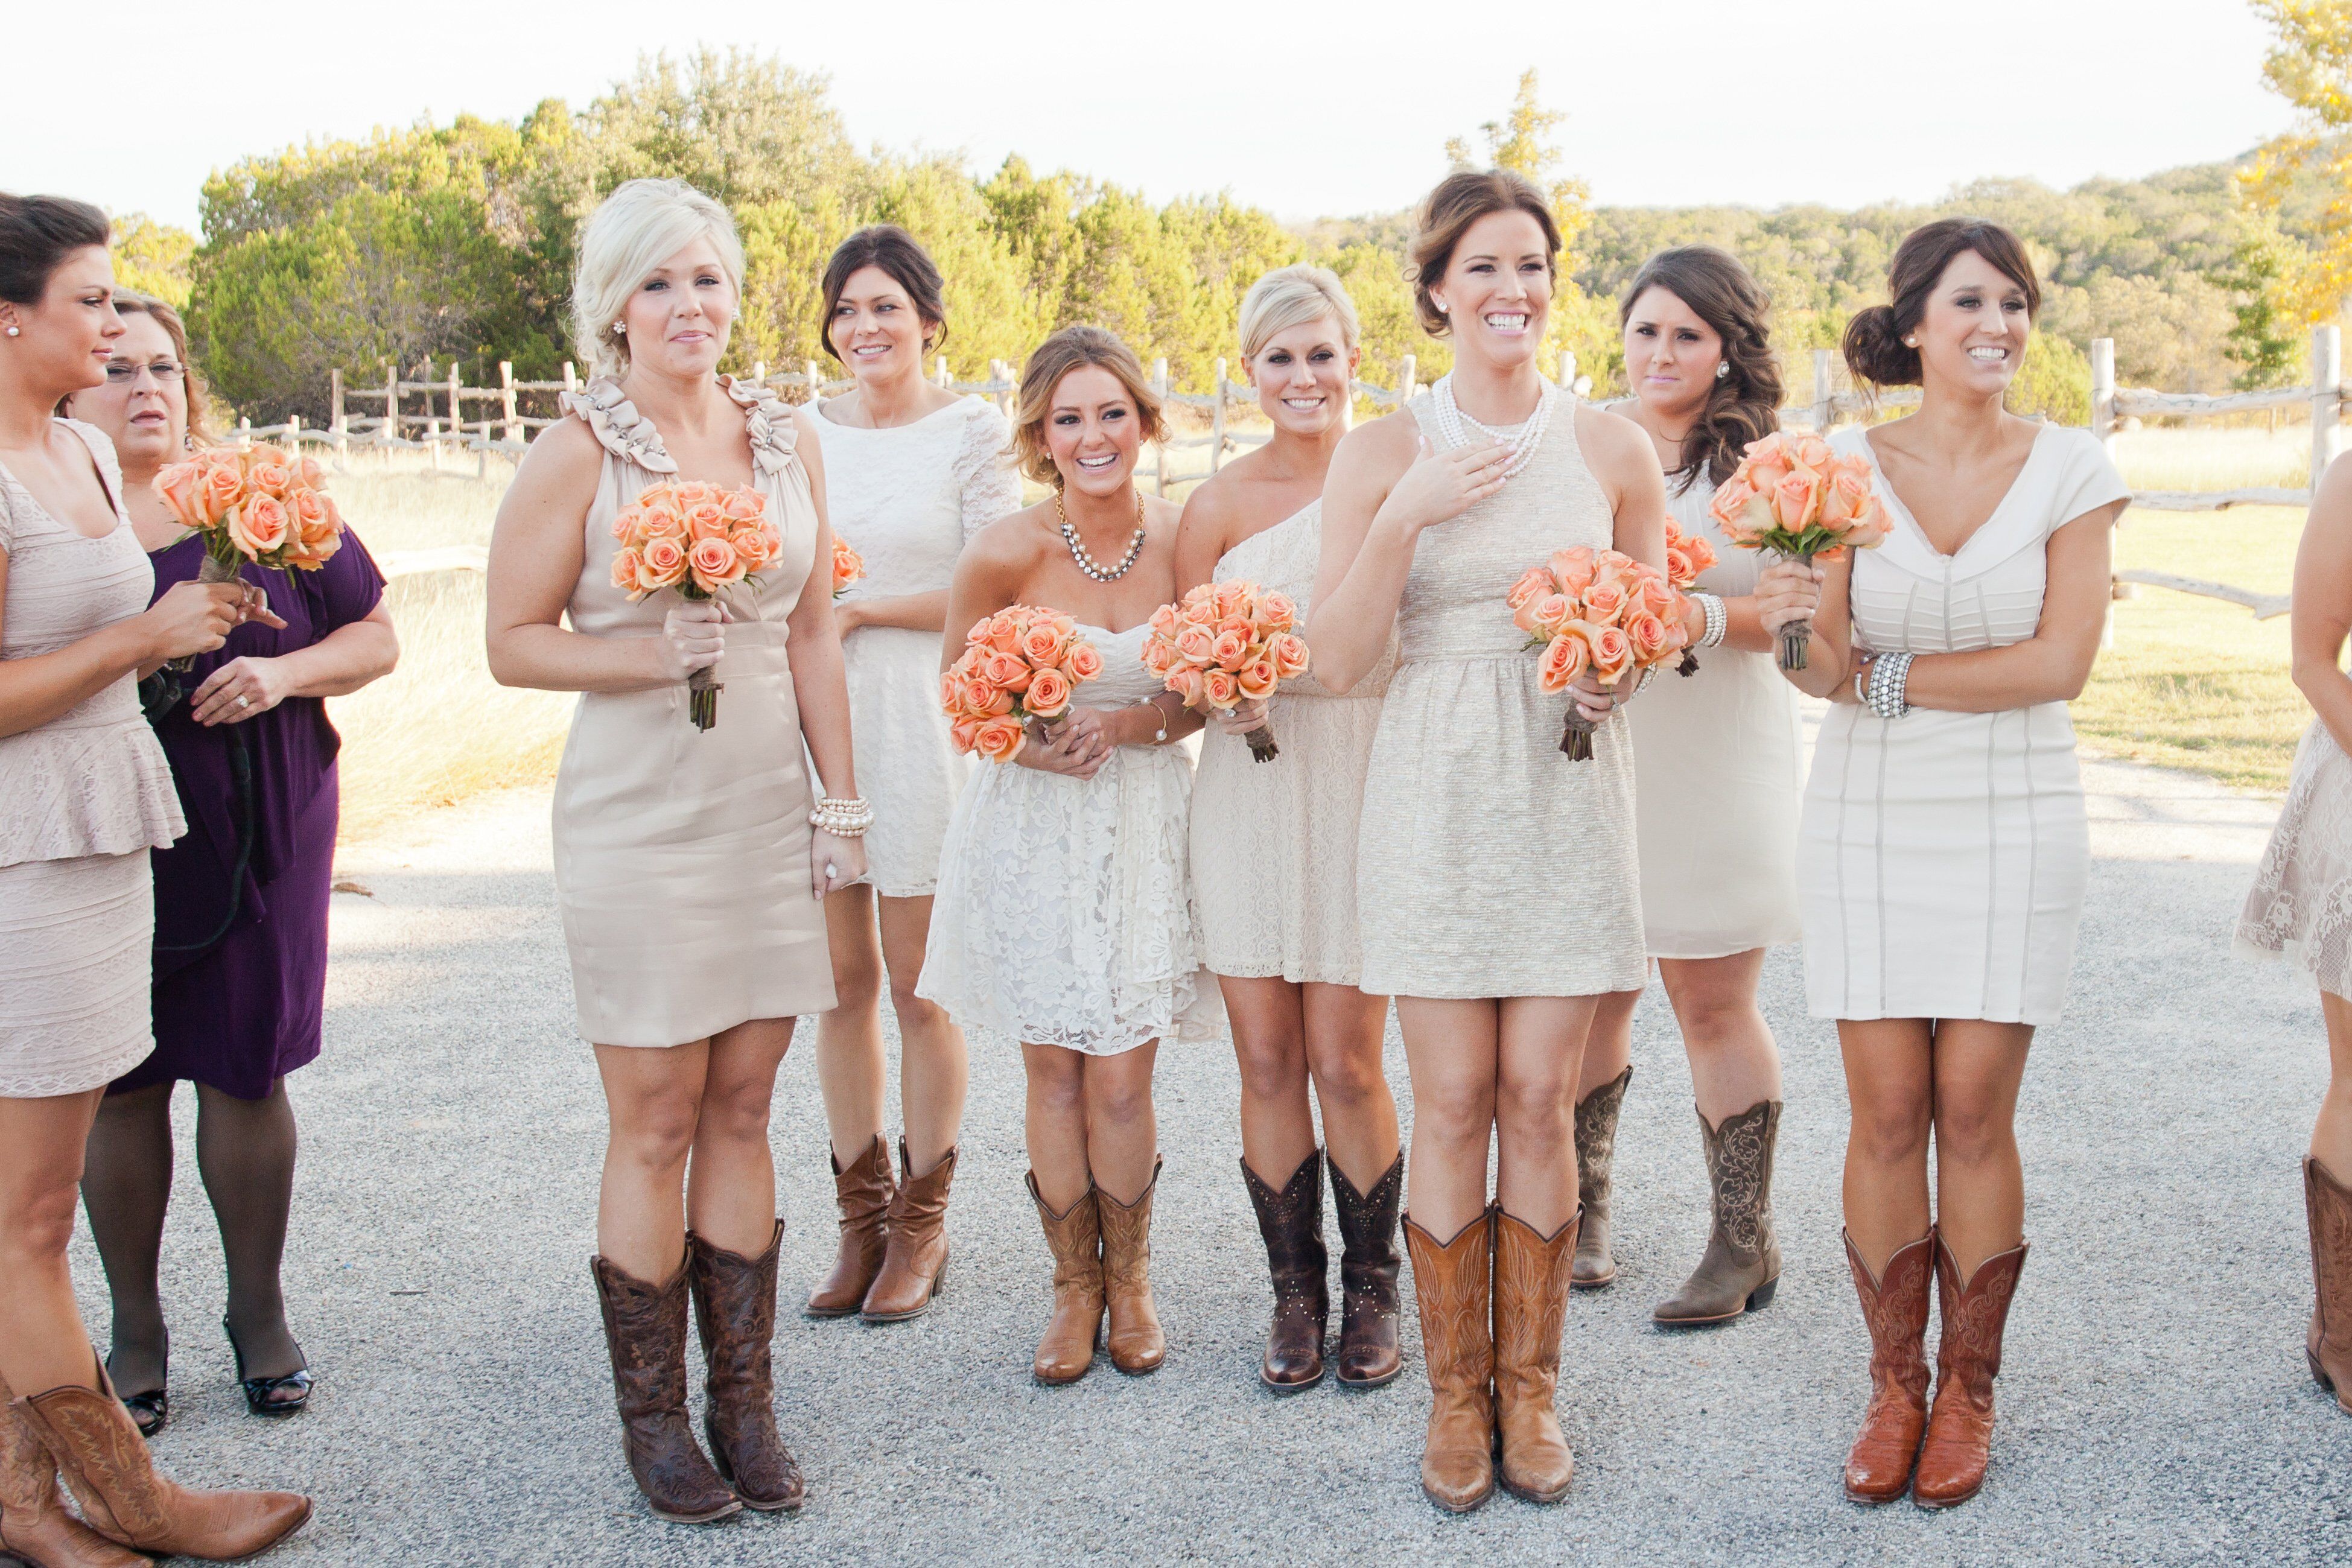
[(1308, 109)]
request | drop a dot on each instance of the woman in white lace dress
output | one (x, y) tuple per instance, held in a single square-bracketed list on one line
[(1944, 851), (913, 471), (1274, 867), (84, 794), (2300, 906), (1496, 882), (1063, 920)]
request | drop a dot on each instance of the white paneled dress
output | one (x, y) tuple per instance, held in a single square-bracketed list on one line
[(1944, 855)]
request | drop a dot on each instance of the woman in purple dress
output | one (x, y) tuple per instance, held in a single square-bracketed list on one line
[(240, 902)]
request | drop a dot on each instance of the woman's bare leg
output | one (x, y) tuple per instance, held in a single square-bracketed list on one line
[(1450, 1048)]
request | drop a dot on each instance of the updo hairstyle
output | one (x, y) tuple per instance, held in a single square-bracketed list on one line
[(36, 234), (895, 252), (1460, 200), (1074, 348), (1293, 297), (639, 226), (1874, 349)]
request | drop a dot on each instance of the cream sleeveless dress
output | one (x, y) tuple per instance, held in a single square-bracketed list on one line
[(682, 855), (1273, 843), (1065, 911), (83, 797), (2300, 907), (1489, 864)]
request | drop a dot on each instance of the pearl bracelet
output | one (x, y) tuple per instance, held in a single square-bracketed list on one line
[(1719, 619), (1890, 676), (844, 819)]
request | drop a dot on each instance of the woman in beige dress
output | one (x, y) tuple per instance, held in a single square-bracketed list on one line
[(1715, 790), (688, 874), (85, 795), (1274, 867), (1496, 886)]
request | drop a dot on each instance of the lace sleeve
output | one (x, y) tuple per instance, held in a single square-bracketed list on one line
[(987, 485)]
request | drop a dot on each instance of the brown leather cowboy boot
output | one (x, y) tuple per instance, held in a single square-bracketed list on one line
[(1453, 1283), (1596, 1154), (1368, 1261), (1742, 1266), (1066, 1353), (645, 1333), (1531, 1273), (1136, 1344), (735, 1316), (1953, 1460), (1291, 1223), (914, 1260), (2328, 1344), (863, 1194), (103, 1461), (34, 1523), (1894, 1310)]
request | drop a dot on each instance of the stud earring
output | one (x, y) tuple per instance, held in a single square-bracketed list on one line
[(1722, 369), (620, 329), (12, 332), (1911, 343), (1442, 308)]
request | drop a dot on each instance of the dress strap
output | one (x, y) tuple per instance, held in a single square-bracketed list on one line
[(619, 428), (769, 420)]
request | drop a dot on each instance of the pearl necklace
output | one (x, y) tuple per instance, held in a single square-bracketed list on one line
[(1087, 563), (1523, 444)]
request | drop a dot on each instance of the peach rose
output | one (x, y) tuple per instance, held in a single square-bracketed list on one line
[(1844, 497), (1562, 661), (269, 472), (1044, 643), (1196, 645), (1794, 500), (999, 739), (1258, 678), (1233, 599), (658, 522), (716, 564), (180, 487), (1534, 585), (1009, 671), (1604, 601), (1003, 633), (1082, 663), (1163, 622), (705, 520), (1219, 689), (307, 471), (627, 563), (1648, 634), (1188, 683), (952, 689), (312, 519), (223, 486), (1048, 695), (1159, 657), (1290, 654), (1277, 613), (1549, 614), (744, 505), (987, 699), (1680, 570), (260, 525), (965, 733), (1612, 652), (1574, 568), (1811, 452), (665, 557), (1230, 649), (751, 544)]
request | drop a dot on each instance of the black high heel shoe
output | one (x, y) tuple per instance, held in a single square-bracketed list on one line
[(260, 1392), (150, 1412)]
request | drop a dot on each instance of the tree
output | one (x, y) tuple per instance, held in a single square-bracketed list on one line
[(2310, 66), (2263, 343), (1521, 141), (152, 258)]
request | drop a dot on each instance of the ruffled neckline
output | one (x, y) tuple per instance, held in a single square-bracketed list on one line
[(635, 438)]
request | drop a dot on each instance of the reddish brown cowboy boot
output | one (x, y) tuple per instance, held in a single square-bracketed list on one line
[(34, 1523), (1066, 1351), (1953, 1460), (1290, 1223), (645, 1333), (2327, 1346), (1895, 1308), (1134, 1340)]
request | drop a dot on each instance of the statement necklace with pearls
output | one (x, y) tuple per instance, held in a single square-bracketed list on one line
[(1522, 442), (1087, 563)]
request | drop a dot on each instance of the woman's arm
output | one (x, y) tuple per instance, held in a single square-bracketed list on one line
[(341, 663), (1201, 536), (909, 611), (821, 686), (1791, 591), (1622, 458), (2051, 666), (2323, 604), (190, 618)]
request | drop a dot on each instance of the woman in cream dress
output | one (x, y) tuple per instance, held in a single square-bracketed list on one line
[(686, 866), (1273, 864), (1944, 851), (1717, 783), (913, 471), (1496, 885)]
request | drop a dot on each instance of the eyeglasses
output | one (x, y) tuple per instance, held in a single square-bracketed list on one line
[(122, 372)]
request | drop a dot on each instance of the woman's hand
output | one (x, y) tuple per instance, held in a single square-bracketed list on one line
[(1441, 486), (692, 637), (193, 618), (1245, 717), (848, 615), (1788, 590), (834, 862), (1594, 701), (239, 690), (1075, 746)]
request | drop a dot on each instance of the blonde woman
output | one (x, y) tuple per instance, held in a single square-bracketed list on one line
[(1274, 867), (690, 865)]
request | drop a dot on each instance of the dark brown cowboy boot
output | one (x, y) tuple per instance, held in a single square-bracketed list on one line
[(735, 1315), (1596, 1156), (1368, 1261), (645, 1331), (1291, 1222), (863, 1192), (34, 1525), (1959, 1447), (1453, 1283), (1742, 1266), (915, 1259), (2327, 1346), (1894, 1310)]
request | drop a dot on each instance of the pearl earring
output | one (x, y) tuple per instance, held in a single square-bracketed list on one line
[(1911, 343), (1442, 308), (1721, 370), (12, 332)]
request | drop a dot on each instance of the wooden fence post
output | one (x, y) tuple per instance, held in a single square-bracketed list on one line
[(294, 434), (760, 372), (507, 399), (2103, 431), (1159, 385), (244, 432), (1217, 417), (482, 458), (389, 431), (1824, 392), (457, 414), (2327, 397), (335, 400), (943, 378), (570, 378), (1567, 376), (1001, 372), (1408, 379)]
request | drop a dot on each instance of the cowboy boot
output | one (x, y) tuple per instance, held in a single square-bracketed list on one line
[(1136, 1344), (1452, 1285), (1066, 1353), (1894, 1310), (735, 1317), (34, 1527), (914, 1260), (1596, 1152), (645, 1333), (862, 1193), (1291, 1222), (1742, 1266), (1368, 1261), (1531, 1285), (1952, 1461), (104, 1461), (2328, 1344)]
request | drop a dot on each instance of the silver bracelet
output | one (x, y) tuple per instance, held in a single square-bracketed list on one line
[(1719, 619), (842, 818), (1862, 679), (1890, 676), (1159, 717)]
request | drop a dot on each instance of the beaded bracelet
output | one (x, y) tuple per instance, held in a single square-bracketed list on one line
[(1718, 620), (1890, 675), (842, 818)]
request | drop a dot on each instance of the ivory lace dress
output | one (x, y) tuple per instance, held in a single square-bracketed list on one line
[(682, 855), (2300, 906), (906, 499), (1489, 864), (83, 798), (1273, 843), (1063, 914), (1944, 855)]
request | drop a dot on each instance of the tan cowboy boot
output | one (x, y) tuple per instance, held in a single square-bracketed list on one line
[(1742, 1266), (1958, 1446), (863, 1194), (1453, 1282), (1895, 1308), (735, 1316), (2327, 1346), (1596, 1154), (1136, 1344), (915, 1261), (34, 1523), (1066, 1353), (1531, 1274)]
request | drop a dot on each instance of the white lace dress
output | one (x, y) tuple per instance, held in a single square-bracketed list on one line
[(83, 797), (1063, 914), (906, 499), (2300, 906), (1273, 843)]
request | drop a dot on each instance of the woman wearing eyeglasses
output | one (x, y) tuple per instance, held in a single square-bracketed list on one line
[(240, 964)]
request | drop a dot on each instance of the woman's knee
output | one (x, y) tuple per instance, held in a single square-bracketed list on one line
[(1118, 1097), (656, 1130), (38, 1226), (1891, 1130), (856, 979), (1347, 1072), (1972, 1129), (1057, 1085), (1454, 1116), (1273, 1066)]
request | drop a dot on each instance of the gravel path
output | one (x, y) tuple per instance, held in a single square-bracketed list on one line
[(2155, 1409)]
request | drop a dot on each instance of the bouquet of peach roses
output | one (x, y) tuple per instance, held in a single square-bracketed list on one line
[(1022, 663), (1687, 555), (1227, 643), (263, 505), (1793, 495), (1596, 611), (848, 566), (700, 540)]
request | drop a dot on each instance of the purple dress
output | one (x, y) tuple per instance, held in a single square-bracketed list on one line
[(241, 900)]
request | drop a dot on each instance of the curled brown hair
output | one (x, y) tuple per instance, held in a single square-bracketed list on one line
[(1874, 349), (200, 429), (1071, 348), (1461, 199), (895, 252), (1744, 405)]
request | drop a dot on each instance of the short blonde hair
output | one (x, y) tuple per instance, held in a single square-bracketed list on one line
[(1071, 349), (640, 225), (1292, 297)]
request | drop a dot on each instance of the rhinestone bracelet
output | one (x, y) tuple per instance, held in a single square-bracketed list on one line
[(1890, 675), (842, 818), (1718, 620)]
